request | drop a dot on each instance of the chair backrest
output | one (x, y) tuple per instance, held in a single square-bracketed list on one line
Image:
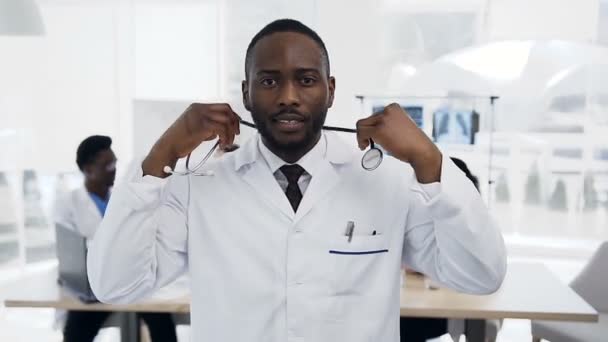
[(592, 282), (71, 249)]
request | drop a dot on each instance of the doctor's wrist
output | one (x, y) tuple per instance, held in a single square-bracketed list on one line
[(156, 160), (428, 167)]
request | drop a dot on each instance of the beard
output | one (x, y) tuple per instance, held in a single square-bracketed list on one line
[(311, 133)]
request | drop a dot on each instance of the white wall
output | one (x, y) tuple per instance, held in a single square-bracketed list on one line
[(176, 50), (352, 39), (58, 88), (81, 77)]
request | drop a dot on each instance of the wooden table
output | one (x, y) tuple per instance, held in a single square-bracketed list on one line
[(530, 291), (41, 290)]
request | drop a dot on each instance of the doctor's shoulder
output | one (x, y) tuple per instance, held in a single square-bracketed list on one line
[(65, 207)]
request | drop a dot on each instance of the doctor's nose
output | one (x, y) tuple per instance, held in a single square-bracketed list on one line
[(288, 95)]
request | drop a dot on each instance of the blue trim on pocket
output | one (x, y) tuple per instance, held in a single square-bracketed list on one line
[(331, 251)]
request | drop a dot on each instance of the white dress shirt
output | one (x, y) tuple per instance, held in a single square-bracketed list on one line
[(309, 163), (260, 272)]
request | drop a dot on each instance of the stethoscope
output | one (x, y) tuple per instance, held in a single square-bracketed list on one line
[(370, 161)]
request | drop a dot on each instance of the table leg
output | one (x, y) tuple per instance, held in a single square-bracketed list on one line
[(129, 328), (475, 330)]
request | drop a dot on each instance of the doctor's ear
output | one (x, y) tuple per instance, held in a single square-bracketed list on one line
[(332, 90), (88, 173), (245, 91)]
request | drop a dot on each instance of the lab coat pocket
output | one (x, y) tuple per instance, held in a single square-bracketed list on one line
[(356, 265)]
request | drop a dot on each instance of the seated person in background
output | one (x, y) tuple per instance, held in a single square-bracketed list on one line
[(415, 329), (82, 210)]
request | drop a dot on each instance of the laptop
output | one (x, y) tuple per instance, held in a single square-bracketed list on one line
[(72, 255)]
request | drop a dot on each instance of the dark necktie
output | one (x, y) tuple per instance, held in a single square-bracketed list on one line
[(293, 174)]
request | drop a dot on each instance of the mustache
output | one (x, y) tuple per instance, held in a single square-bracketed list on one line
[(287, 110)]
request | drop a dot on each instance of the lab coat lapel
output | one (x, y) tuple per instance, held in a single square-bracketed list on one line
[(254, 170), (328, 176), (320, 185), (90, 208), (263, 181), (251, 164)]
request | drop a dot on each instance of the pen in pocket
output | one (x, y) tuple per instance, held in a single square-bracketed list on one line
[(350, 228)]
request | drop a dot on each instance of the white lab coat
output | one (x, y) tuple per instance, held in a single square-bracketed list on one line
[(76, 210), (259, 272)]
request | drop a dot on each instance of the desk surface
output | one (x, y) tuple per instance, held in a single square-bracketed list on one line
[(41, 290), (530, 291)]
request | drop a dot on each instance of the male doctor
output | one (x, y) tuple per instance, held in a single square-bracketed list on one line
[(290, 239), (82, 210)]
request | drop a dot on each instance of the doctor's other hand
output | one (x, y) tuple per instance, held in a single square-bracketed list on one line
[(396, 132), (199, 122)]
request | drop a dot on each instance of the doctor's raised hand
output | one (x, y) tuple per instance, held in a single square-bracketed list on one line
[(199, 122), (396, 132)]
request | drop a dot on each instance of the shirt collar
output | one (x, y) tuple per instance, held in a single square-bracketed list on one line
[(310, 161)]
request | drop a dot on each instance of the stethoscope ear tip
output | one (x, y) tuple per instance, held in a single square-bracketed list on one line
[(167, 169)]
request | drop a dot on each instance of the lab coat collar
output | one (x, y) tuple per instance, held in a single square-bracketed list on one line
[(309, 162), (338, 151), (85, 198), (250, 163)]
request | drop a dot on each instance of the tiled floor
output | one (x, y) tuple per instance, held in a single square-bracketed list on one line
[(25, 325), (28, 325)]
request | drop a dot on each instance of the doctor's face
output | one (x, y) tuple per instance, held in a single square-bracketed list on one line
[(288, 90), (102, 169)]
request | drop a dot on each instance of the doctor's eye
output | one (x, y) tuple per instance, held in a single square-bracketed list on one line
[(268, 82), (308, 80)]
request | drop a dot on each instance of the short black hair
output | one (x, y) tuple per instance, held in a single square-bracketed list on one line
[(286, 25), (89, 147)]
